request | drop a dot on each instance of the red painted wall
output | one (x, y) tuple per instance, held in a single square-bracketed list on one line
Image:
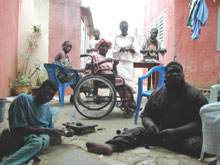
[(8, 44), (65, 24), (199, 58)]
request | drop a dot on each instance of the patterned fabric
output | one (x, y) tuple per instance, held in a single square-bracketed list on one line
[(107, 65), (62, 76)]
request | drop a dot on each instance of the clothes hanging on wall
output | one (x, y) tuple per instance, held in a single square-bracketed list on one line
[(199, 18), (192, 6)]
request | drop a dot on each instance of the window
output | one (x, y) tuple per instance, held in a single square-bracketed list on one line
[(159, 24)]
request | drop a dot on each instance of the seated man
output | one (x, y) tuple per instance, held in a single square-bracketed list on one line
[(30, 119), (152, 46), (170, 119)]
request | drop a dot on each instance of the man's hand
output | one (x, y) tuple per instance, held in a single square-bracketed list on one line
[(122, 50), (162, 51), (116, 62), (55, 132), (69, 133), (109, 60), (168, 136), (152, 129)]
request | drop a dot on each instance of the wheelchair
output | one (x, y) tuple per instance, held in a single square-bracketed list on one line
[(95, 95)]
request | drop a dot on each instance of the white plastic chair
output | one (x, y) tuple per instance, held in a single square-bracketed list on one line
[(210, 116), (214, 93)]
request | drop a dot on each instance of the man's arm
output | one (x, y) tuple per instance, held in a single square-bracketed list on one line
[(191, 128), (32, 130), (149, 125), (150, 116), (59, 56)]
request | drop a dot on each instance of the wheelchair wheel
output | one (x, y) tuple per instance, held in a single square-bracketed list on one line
[(94, 97)]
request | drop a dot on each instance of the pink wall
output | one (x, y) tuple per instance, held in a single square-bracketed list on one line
[(199, 58), (8, 44), (65, 24)]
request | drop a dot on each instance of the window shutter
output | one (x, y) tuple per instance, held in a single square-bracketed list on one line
[(159, 24)]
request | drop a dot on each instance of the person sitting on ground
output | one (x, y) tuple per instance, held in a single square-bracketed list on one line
[(106, 65), (93, 42), (170, 119), (30, 120)]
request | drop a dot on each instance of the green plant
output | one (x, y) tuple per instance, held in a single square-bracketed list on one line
[(22, 81), (24, 73), (40, 74)]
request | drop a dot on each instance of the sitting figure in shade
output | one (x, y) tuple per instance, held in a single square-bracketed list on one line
[(107, 66), (170, 119), (30, 122)]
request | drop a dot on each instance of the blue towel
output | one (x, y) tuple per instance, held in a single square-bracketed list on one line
[(199, 18)]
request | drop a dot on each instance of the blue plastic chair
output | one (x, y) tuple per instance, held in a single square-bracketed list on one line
[(141, 92), (51, 70)]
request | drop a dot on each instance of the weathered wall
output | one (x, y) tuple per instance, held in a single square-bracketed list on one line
[(33, 12), (65, 24), (8, 44), (199, 58)]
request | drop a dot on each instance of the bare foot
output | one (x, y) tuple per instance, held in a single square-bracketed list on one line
[(97, 148)]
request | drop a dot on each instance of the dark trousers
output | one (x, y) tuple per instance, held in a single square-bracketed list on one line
[(136, 137)]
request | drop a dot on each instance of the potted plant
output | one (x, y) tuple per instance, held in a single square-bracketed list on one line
[(22, 83)]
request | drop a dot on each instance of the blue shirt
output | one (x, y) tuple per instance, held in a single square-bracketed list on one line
[(25, 112)]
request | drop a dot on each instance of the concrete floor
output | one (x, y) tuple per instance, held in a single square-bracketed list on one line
[(72, 151)]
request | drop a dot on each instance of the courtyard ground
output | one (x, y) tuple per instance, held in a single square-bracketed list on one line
[(73, 151)]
